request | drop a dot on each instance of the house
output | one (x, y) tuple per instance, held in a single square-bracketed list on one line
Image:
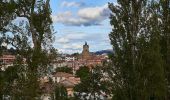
[(7, 59), (47, 89), (69, 84), (67, 80), (60, 76), (70, 58)]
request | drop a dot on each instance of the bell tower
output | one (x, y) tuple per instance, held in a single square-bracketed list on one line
[(85, 52), (86, 47)]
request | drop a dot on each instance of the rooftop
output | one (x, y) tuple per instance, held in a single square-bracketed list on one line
[(62, 74)]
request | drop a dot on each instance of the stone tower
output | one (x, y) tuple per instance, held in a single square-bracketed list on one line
[(85, 52)]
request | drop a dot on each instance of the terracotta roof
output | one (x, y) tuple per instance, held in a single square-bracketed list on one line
[(67, 83), (74, 80), (70, 82), (63, 74)]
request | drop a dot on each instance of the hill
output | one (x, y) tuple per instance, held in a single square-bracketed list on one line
[(108, 51)]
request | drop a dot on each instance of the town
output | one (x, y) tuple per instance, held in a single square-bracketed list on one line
[(71, 61), (84, 49)]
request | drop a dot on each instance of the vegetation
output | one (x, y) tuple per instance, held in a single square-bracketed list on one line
[(139, 68), (138, 36), (31, 37), (83, 72), (60, 93), (64, 69), (92, 84)]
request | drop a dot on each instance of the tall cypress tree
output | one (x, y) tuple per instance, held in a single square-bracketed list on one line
[(165, 39), (150, 64), (125, 22), (137, 68)]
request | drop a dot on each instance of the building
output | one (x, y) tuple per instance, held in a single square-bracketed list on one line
[(69, 84), (70, 58), (47, 89), (7, 59), (85, 53), (88, 59), (60, 76), (67, 80)]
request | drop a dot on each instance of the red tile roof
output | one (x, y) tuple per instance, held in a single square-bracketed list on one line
[(62, 74)]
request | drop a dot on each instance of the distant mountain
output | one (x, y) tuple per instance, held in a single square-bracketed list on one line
[(109, 51)]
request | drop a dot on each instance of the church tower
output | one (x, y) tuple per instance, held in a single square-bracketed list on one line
[(85, 52)]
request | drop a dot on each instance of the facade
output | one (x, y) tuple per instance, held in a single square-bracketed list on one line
[(70, 58), (67, 80), (59, 63), (58, 78), (64, 61), (85, 53), (89, 59), (47, 89), (7, 59), (84, 59)]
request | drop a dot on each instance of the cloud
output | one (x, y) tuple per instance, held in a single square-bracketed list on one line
[(71, 37), (72, 4), (68, 51), (66, 18), (62, 40), (72, 46), (61, 17), (94, 13), (85, 17), (72, 41), (76, 36)]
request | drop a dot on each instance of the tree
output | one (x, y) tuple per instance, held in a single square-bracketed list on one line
[(164, 13), (37, 12), (36, 29), (6, 16), (8, 79), (75, 54), (7, 10), (136, 71), (64, 69), (60, 93), (83, 72), (92, 84)]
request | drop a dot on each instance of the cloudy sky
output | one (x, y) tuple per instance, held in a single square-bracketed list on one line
[(77, 21)]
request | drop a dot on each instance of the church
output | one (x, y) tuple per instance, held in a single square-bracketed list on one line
[(85, 53), (89, 59)]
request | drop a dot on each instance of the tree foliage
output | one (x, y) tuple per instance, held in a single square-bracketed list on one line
[(92, 84), (83, 72), (60, 93), (137, 70), (64, 69), (164, 15), (32, 37)]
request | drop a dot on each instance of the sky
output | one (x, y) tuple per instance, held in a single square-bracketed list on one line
[(77, 21)]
